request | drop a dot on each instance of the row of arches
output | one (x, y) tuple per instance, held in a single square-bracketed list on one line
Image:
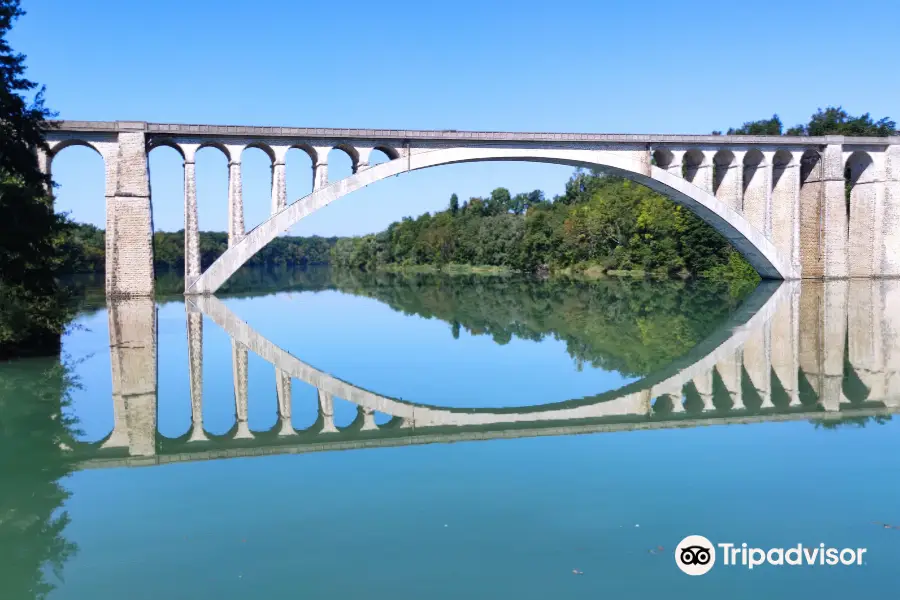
[(79, 167), (790, 206)]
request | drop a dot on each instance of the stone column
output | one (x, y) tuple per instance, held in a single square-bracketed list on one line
[(866, 218), (704, 385), (191, 222), (279, 186), (731, 371), (729, 181), (811, 214), (195, 372), (283, 390), (235, 203), (320, 167), (320, 175), (326, 412), (890, 224), (835, 210), (362, 163), (677, 402), (129, 223), (239, 370), (132, 347), (785, 210)]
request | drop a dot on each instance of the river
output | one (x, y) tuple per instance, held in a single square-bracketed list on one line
[(342, 435)]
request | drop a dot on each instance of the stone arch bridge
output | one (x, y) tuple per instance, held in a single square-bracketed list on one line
[(812, 207)]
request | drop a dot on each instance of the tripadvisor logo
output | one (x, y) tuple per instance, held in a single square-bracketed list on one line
[(696, 555)]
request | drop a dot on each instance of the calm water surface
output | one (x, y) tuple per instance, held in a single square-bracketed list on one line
[(312, 434)]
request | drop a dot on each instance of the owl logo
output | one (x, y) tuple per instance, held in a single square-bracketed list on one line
[(695, 555)]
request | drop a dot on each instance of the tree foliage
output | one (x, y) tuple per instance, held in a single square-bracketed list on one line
[(833, 120), (599, 220), (85, 250), (33, 306)]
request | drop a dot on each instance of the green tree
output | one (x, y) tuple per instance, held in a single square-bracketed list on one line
[(454, 204), (33, 305), (771, 126), (837, 121)]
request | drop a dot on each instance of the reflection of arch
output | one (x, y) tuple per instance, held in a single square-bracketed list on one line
[(630, 399), (748, 241)]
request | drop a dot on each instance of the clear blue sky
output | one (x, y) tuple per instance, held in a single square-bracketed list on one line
[(638, 67)]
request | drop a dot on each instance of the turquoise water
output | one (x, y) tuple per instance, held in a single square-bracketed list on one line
[(507, 434)]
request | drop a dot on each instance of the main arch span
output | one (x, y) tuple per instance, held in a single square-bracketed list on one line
[(825, 207), (634, 165)]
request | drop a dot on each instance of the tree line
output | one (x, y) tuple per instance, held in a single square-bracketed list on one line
[(601, 222), (84, 247)]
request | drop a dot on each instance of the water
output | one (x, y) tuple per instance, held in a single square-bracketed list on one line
[(332, 435)]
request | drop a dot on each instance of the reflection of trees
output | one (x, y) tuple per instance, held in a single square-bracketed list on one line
[(630, 326), (33, 431), (850, 422)]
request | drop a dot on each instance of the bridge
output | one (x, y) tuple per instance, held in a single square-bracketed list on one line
[(811, 207), (785, 354)]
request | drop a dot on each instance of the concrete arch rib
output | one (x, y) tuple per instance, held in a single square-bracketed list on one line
[(748, 240)]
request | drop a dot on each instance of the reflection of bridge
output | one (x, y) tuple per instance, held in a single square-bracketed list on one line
[(780, 357), (781, 201)]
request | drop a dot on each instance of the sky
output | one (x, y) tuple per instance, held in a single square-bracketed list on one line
[(614, 67)]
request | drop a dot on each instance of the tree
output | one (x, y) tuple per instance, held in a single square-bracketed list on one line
[(763, 127), (499, 202), (454, 204), (837, 121), (33, 306)]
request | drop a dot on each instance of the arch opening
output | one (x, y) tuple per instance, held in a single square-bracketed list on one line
[(342, 162), (256, 184), (166, 166), (663, 158), (212, 201)]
